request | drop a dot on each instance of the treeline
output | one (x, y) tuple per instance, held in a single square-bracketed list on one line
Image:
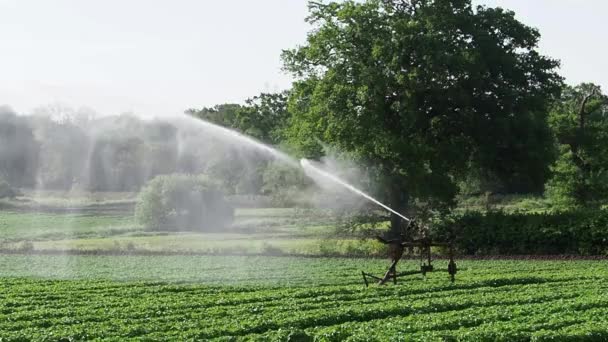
[(97, 154), (121, 153)]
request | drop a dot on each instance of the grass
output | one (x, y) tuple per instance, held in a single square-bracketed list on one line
[(209, 243), (255, 231), (18, 226), (283, 298), (75, 198), (103, 222)]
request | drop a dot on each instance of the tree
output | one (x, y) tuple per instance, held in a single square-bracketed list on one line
[(264, 117), (422, 91), (580, 122), (18, 150), (285, 185), (223, 114), (63, 147), (116, 164)]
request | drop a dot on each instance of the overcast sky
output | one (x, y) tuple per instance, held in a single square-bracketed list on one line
[(161, 57)]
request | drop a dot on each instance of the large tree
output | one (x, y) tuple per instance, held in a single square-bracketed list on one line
[(580, 122), (423, 90)]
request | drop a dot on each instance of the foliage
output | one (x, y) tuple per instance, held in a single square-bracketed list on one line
[(264, 116), (183, 202), (364, 223), (6, 191), (506, 203), (580, 122), (223, 114), (18, 150), (62, 147), (63, 151), (19, 226), (423, 91), (126, 152), (578, 232), (271, 299), (116, 164), (285, 184)]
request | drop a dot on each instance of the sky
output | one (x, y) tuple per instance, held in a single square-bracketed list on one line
[(157, 58)]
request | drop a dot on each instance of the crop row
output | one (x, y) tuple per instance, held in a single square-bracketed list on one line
[(121, 315), (503, 300)]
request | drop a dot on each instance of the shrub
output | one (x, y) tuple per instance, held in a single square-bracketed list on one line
[(183, 202), (582, 232)]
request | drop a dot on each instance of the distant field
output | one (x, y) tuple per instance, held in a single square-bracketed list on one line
[(17, 226), (103, 222), (297, 299), (20, 225), (270, 231)]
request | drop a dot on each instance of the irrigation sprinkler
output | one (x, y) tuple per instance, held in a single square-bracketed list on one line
[(397, 247)]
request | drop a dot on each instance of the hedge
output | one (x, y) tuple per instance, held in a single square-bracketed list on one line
[(575, 232)]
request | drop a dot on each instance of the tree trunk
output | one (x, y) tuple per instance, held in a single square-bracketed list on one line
[(580, 163)]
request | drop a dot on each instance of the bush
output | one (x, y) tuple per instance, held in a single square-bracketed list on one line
[(581, 232), (183, 202)]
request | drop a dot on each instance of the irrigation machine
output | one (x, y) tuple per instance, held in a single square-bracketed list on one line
[(414, 238)]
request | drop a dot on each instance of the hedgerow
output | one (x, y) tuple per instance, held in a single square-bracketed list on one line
[(579, 232)]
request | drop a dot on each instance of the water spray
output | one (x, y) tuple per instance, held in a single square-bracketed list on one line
[(221, 131), (312, 171)]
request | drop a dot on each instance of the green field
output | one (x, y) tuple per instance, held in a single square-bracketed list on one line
[(129, 290), (280, 298), (266, 231)]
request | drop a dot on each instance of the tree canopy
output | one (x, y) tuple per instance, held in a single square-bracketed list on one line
[(263, 116), (580, 122), (423, 91)]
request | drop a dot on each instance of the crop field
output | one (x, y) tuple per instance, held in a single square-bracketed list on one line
[(298, 299)]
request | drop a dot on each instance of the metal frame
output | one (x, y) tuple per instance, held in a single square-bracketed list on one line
[(396, 250)]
